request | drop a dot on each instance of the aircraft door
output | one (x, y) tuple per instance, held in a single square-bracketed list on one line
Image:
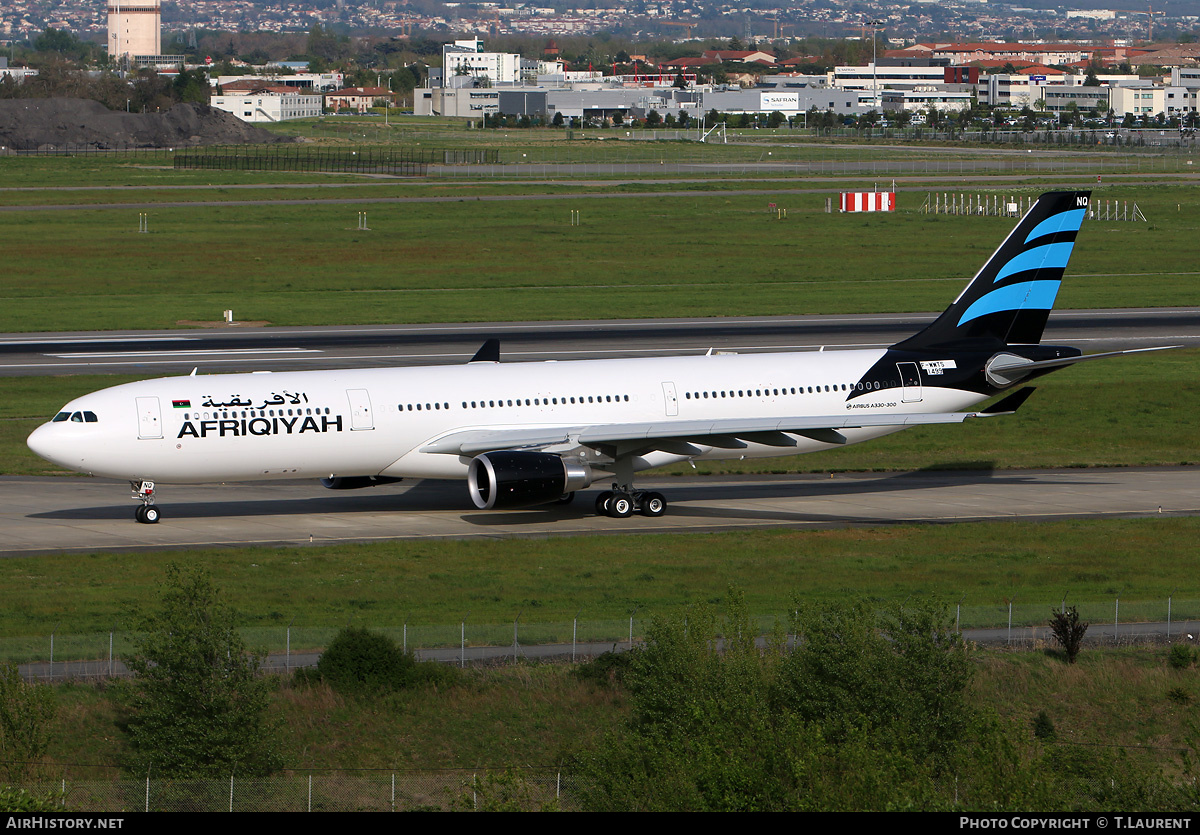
[(910, 379), (361, 416), (149, 418), (670, 399)]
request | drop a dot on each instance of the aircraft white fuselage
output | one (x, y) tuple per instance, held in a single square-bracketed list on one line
[(244, 427)]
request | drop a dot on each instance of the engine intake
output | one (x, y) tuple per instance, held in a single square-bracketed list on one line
[(523, 479), (356, 482)]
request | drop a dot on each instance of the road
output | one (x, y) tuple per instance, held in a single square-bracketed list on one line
[(227, 349), (57, 514)]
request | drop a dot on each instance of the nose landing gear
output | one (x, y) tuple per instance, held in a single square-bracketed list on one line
[(147, 513)]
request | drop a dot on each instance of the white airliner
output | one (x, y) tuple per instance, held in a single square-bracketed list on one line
[(531, 433)]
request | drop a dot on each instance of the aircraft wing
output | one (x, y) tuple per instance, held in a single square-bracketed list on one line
[(685, 437)]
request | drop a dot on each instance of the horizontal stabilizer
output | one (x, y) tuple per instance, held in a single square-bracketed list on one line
[(1006, 369)]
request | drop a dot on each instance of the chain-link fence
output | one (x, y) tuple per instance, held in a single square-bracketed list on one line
[(524, 789), (324, 791), (1008, 621)]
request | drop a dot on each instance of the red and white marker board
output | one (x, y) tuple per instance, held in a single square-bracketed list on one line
[(868, 201)]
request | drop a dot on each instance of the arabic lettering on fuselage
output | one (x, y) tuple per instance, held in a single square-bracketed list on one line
[(238, 402)]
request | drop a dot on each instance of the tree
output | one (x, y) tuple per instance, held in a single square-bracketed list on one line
[(1068, 631), (197, 706), (26, 716), (869, 711)]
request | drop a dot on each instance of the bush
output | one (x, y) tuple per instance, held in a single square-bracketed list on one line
[(1068, 630), (1043, 727), (26, 719), (197, 706), (1181, 657), (607, 669), (20, 800), (361, 661)]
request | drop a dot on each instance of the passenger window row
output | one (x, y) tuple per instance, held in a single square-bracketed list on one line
[(773, 392), (503, 403), (257, 413)]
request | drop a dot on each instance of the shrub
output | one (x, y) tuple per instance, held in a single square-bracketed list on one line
[(20, 800), (359, 659), (1068, 631), (607, 669), (1181, 657), (197, 706), (1043, 727)]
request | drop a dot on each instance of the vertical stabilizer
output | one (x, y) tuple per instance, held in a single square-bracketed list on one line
[(1010, 299)]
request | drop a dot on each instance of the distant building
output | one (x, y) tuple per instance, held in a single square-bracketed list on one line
[(17, 74), (304, 81), (358, 99), (713, 56), (1059, 98), (465, 62), (269, 104), (134, 29), (789, 102)]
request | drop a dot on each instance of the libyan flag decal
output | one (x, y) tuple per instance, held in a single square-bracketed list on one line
[(181, 404)]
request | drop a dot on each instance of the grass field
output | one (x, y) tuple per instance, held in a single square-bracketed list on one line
[(631, 257), (431, 587)]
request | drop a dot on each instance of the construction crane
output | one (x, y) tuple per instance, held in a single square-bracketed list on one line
[(775, 19), (684, 23), (1149, 19)]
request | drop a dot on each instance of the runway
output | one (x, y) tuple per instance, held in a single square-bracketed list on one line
[(47, 515), (230, 349)]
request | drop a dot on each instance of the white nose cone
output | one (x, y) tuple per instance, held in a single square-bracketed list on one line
[(48, 441)]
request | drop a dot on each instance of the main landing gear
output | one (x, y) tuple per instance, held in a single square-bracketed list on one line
[(624, 499), (147, 513), (620, 504)]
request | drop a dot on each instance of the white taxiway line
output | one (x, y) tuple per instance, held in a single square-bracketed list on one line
[(210, 353)]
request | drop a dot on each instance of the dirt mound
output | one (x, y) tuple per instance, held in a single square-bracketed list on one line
[(56, 124)]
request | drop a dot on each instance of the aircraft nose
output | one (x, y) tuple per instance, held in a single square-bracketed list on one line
[(47, 442)]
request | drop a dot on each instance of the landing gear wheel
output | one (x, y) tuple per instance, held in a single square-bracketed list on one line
[(602, 501), (566, 498), (150, 514), (620, 506), (653, 504)]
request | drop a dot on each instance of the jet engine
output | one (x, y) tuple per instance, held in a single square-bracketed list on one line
[(355, 482), (511, 478)]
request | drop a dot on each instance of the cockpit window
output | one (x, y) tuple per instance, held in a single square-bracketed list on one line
[(60, 417), (77, 417), (90, 417)]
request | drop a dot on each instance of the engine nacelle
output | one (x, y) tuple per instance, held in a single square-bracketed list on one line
[(356, 482), (523, 479)]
